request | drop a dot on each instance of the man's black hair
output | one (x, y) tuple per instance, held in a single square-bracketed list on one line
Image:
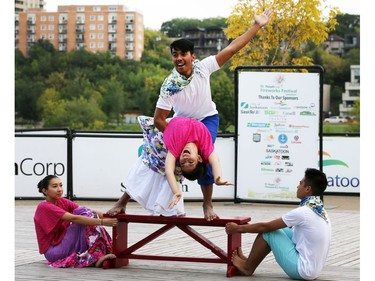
[(317, 180), (183, 45)]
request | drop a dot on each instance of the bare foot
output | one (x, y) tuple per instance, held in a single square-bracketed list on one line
[(100, 261), (240, 254), (209, 213), (240, 264), (116, 209)]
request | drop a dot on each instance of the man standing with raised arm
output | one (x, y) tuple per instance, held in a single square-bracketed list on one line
[(187, 92)]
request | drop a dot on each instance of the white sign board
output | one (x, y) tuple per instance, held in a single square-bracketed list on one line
[(341, 163), (278, 129), (226, 151), (35, 158), (101, 164)]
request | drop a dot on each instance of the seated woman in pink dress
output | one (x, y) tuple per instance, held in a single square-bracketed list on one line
[(69, 235)]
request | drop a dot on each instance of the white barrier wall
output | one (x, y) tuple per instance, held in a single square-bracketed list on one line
[(35, 158), (341, 163), (101, 163)]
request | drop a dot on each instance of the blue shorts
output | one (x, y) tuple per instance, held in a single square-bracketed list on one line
[(212, 124), (284, 250)]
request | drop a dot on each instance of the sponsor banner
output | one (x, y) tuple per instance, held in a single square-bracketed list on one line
[(278, 129), (341, 163), (35, 158)]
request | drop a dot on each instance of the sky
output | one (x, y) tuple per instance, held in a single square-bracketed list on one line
[(159, 11)]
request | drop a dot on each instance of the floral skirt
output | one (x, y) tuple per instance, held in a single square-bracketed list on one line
[(85, 244), (154, 150)]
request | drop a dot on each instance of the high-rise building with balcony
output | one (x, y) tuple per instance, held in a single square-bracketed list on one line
[(94, 28), (23, 5), (207, 41), (352, 91)]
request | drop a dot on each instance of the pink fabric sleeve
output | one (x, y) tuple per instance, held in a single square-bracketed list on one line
[(49, 227), (49, 214), (176, 134)]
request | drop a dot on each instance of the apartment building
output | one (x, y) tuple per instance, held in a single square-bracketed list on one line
[(340, 46), (23, 5), (207, 41), (93, 28), (334, 44), (352, 91)]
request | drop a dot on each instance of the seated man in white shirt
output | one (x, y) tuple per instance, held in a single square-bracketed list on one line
[(299, 240)]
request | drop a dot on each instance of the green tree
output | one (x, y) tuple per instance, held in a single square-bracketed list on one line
[(352, 57), (113, 99), (356, 111), (154, 77), (139, 101), (77, 86), (84, 113), (20, 60), (292, 25), (347, 24), (41, 55), (337, 72), (78, 113), (214, 22), (223, 95), (156, 50), (175, 27), (28, 92), (56, 80)]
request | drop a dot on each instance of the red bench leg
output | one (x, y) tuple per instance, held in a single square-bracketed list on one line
[(234, 242), (119, 245)]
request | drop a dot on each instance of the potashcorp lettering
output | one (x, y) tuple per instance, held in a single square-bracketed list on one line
[(29, 167)]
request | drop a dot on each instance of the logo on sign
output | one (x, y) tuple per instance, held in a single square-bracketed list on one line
[(282, 138)]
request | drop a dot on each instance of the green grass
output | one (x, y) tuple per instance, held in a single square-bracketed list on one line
[(341, 128), (127, 128)]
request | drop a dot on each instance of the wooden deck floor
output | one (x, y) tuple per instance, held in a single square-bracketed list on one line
[(343, 262)]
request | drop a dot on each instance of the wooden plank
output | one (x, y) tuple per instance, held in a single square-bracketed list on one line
[(181, 220)]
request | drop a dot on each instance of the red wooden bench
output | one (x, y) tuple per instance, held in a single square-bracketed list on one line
[(123, 252)]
